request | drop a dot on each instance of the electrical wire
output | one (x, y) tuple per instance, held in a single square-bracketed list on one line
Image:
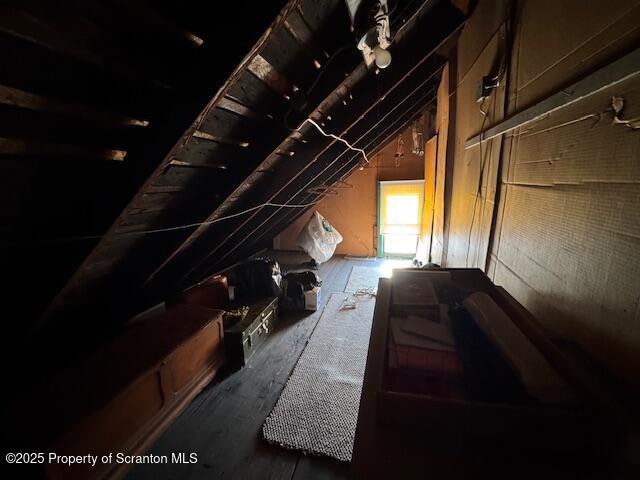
[(326, 64), (617, 105), (509, 19), (186, 226), (322, 189), (336, 137), (350, 302), (479, 190), (313, 85)]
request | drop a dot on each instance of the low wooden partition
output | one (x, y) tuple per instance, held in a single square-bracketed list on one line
[(121, 398)]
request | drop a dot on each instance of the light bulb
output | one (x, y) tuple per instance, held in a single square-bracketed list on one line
[(382, 57)]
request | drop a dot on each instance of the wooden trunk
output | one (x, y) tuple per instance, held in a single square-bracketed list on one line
[(245, 337)]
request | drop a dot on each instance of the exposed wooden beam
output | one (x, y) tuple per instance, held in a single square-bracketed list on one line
[(145, 14), (381, 140), (213, 138), (292, 189), (180, 163), (25, 26), (438, 47), (20, 98), (19, 147), (336, 97), (148, 187), (330, 176), (231, 104), (269, 75)]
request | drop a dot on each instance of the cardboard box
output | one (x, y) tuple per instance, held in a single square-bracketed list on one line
[(312, 299)]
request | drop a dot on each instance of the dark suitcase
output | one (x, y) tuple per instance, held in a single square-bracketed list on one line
[(243, 338)]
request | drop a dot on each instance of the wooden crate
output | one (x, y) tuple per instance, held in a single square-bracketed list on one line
[(410, 425)]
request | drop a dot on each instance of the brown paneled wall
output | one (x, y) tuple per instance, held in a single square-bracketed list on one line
[(550, 210), (353, 211)]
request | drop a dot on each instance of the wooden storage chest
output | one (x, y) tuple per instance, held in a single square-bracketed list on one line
[(121, 398)]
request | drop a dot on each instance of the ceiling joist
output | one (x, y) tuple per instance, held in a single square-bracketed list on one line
[(251, 144)]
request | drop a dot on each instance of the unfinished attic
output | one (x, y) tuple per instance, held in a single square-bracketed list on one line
[(320, 239)]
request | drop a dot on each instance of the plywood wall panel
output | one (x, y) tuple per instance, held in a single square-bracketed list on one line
[(428, 210), (565, 236), (570, 254), (442, 130), (563, 41), (352, 212), (475, 170)]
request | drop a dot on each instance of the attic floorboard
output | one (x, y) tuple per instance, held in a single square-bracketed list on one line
[(223, 424)]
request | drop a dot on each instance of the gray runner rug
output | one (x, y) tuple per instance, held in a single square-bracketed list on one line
[(317, 411), (363, 278)]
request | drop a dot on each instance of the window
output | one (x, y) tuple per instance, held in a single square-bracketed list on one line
[(402, 210), (400, 207)]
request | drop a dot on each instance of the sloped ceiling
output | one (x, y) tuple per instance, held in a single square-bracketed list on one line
[(247, 147)]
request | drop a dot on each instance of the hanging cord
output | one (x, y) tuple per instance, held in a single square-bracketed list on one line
[(326, 64), (322, 71), (183, 227), (509, 20), (331, 135), (399, 150), (324, 189), (479, 189)]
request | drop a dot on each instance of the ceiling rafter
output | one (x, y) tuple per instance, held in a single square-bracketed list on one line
[(76, 279), (305, 196), (290, 196), (347, 169), (238, 152), (367, 102)]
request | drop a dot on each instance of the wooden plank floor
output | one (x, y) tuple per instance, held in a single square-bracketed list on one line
[(223, 424)]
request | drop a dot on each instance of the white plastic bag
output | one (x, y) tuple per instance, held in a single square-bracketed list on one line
[(319, 239)]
